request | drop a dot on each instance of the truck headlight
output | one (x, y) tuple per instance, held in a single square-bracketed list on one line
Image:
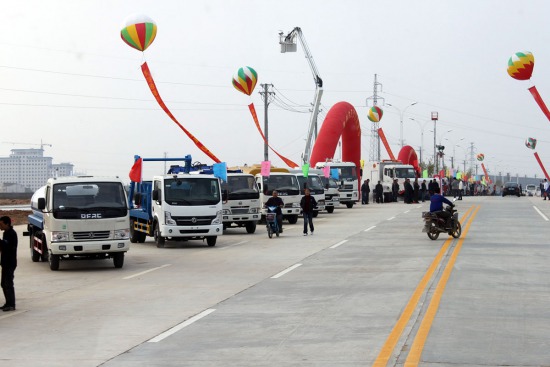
[(253, 210), (168, 219), (121, 234), (226, 211), (295, 205), (218, 219), (60, 236)]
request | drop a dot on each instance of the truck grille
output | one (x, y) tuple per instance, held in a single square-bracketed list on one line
[(95, 235), (240, 210), (194, 221)]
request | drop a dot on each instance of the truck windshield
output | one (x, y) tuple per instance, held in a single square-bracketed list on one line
[(346, 173), (313, 183), (192, 191), (241, 187), (405, 172), (332, 183), (97, 200), (284, 184)]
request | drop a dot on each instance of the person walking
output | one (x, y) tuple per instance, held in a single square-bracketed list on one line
[(308, 203), (379, 192), (545, 186), (461, 187), (365, 191), (8, 261), (277, 202), (454, 188)]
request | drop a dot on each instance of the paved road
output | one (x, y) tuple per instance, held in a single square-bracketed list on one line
[(369, 289)]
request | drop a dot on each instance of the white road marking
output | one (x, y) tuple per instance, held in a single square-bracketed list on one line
[(368, 229), (406, 211), (235, 244), (146, 271), (178, 327), (391, 218), (338, 244), (285, 271), (542, 215)]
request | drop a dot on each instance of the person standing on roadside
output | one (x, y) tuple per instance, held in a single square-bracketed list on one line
[(423, 190), (365, 191), (394, 190), (546, 186), (379, 193), (308, 203), (8, 261)]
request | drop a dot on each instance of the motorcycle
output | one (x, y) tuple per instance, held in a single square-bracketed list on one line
[(271, 222), (434, 225)]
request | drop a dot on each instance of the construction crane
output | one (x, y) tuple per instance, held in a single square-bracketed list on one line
[(42, 145), (288, 44)]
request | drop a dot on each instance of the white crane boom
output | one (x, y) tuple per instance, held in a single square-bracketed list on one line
[(288, 44)]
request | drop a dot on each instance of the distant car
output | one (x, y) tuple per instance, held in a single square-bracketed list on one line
[(530, 190), (511, 188)]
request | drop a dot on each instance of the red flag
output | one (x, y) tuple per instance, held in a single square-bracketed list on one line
[(542, 166), (135, 172)]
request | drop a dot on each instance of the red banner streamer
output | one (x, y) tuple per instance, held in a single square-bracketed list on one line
[(542, 166), (154, 90), (540, 102), (385, 142), (487, 179), (255, 117)]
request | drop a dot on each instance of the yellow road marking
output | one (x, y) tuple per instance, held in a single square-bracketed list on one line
[(397, 330), (420, 339)]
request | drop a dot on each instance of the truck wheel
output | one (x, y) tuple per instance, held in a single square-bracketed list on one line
[(330, 209), (250, 227), (53, 260), (349, 205), (211, 241), (315, 213), (141, 237), (159, 240), (118, 259), (35, 255), (134, 235), (292, 219)]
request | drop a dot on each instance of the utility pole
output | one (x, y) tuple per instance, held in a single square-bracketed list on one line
[(267, 97), (374, 154), (435, 117)]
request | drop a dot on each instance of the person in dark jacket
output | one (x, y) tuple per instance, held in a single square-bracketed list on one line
[(308, 203), (409, 192), (278, 203), (365, 191), (423, 190), (379, 193), (395, 190), (416, 188), (8, 261)]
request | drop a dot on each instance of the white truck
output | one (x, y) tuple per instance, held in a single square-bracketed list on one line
[(332, 195), (80, 217), (348, 179), (243, 205), (178, 206), (386, 171), (287, 186), (315, 185)]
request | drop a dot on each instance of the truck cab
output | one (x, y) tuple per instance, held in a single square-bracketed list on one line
[(242, 207), (332, 195), (387, 171), (348, 178), (79, 217), (288, 188)]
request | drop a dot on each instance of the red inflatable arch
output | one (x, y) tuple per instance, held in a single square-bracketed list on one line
[(341, 120), (407, 155)]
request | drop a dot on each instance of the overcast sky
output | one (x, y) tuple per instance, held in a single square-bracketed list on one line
[(67, 78)]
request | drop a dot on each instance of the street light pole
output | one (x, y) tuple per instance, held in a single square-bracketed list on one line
[(435, 117), (422, 127), (401, 114)]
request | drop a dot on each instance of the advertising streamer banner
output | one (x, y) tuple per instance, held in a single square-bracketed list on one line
[(151, 83)]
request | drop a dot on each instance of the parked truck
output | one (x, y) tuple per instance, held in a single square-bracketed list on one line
[(332, 195), (287, 186), (80, 217), (386, 171), (177, 206), (348, 178)]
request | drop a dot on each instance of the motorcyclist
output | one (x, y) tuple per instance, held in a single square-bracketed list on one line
[(278, 203), (436, 206)]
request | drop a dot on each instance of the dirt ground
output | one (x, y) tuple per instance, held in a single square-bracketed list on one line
[(17, 216)]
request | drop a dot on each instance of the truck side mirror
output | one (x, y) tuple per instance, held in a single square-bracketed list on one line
[(156, 194), (41, 203)]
